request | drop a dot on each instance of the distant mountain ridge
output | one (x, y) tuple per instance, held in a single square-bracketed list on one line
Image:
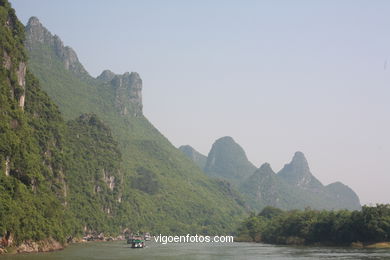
[(293, 187)]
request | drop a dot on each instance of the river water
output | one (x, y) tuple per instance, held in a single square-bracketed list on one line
[(120, 250)]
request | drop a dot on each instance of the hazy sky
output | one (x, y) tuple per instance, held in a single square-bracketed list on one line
[(277, 76)]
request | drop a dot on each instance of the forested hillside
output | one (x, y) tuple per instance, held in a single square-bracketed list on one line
[(32, 143)]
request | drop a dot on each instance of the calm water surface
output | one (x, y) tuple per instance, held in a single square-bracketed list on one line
[(120, 250)]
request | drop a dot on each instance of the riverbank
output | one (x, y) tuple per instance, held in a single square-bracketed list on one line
[(46, 245), (379, 245), (49, 245)]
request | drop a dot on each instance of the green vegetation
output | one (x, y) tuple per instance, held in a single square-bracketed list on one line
[(30, 147), (370, 225), (93, 175)]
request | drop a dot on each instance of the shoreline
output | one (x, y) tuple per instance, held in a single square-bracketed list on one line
[(46, 245)]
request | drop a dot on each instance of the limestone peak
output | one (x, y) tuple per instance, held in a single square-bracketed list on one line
[(266, 167), (128, 91), (106, 76), (299, 160), (37, 34), (297, 172)]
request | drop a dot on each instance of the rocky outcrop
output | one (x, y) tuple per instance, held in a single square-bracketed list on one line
[(127, 89), (7, 166), (36, 33), (21, 75), (194, 155), (109, 179), (7, 239), (20, 70), (106, 76), (39, 246)]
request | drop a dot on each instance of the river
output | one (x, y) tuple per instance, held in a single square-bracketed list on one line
[(120, 250)]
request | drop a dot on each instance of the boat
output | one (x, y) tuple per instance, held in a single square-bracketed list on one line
[(136, 241)]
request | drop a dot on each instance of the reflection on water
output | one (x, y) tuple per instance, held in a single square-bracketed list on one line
[(120, 250)]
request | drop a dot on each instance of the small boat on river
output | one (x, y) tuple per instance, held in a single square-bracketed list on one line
[(136, 241)]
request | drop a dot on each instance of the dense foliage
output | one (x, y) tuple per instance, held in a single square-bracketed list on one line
[(371, 224), (93, 161), (31, 198)]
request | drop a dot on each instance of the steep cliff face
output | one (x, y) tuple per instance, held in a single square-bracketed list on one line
[(13, 58), (36, 33), (31, 179), (18, 143), (21, 76), (128, 91)]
